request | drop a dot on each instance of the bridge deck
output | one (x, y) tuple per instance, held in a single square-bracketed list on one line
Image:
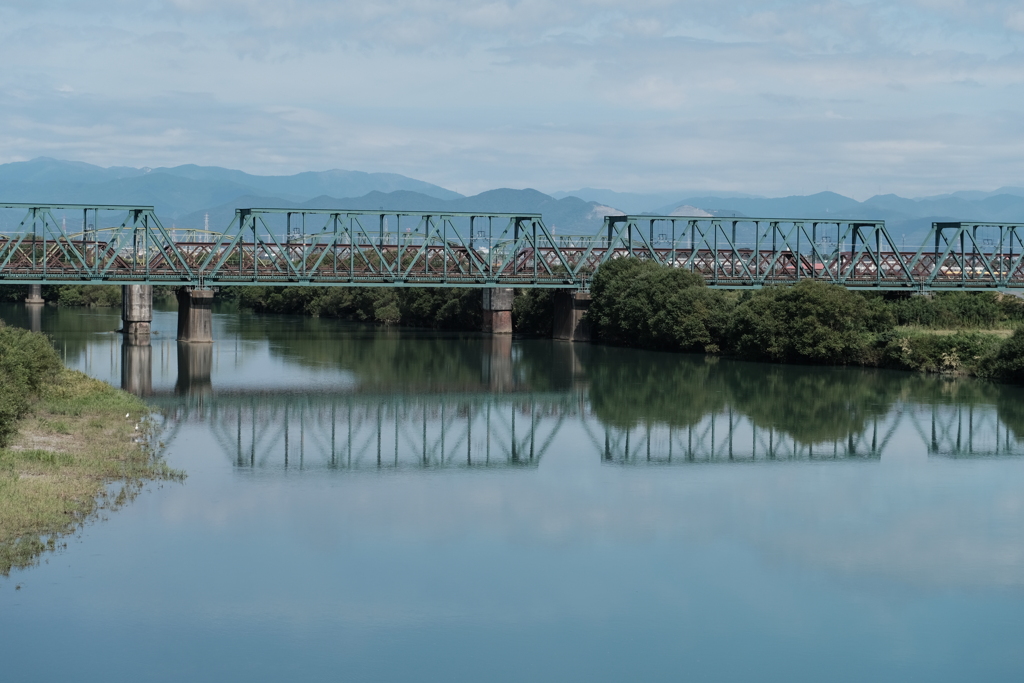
[(129, 245)]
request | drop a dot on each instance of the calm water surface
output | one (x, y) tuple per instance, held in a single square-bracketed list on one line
[(381, 505)]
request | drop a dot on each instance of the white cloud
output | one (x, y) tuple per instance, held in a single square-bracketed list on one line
[(481, 93)]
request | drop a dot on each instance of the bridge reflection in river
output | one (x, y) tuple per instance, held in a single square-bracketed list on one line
[(351, 398), (371, 431), (359, 431)]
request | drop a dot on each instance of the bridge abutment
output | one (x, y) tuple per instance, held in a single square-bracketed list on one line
[(136, 313), (498, 310), (195, 315), (570, 307), (35, 294)]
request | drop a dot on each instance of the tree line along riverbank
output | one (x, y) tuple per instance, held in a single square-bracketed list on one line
[(644, 305), (64, 438), (967, 333)]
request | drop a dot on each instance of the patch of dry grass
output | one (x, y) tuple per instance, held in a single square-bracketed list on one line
[(55, 474), (915, 329)]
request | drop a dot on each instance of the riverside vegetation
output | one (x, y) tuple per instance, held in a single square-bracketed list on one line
[(639, 303), (64, 439)]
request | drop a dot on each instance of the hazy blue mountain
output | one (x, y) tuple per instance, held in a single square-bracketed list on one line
[(45, 170), (178, 191), (184, 195), (824, 204), (564, 216), (313, 184), (632, 202), (975, 194), (907, 219)]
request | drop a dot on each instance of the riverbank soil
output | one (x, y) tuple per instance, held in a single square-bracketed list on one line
[(80, 437)]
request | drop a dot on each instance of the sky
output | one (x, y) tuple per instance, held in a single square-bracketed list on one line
[(913, 97)]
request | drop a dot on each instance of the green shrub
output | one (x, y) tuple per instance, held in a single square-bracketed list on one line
[(1008, 365), (957, 310), (455, 309), (959, 353), (27, 360), (810, 322), (89, 295), (643, 304), (533, 311)]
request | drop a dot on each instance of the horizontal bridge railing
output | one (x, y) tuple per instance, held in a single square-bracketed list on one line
[(129, 244)]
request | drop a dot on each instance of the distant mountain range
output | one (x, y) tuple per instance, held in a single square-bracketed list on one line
[(632, 202), (911, 218), (568, 215), (185, 195), (184, 189)]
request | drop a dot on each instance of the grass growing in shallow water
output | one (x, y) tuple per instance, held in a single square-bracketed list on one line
[(57, 472)]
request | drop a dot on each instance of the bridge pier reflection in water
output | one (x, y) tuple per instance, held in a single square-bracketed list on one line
[(195, 363), (136, 367)]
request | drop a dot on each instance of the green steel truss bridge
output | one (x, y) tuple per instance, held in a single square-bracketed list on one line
[(78, 244)]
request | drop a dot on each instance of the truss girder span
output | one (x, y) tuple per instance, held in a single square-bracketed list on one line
[(129, 244)]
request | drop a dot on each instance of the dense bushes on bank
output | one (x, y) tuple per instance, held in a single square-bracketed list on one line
[(639, 303), (808, 322), (957, 310), (27, 360), (649, 306), (432, 307), (453, 309), (92, 296), (533, 312)]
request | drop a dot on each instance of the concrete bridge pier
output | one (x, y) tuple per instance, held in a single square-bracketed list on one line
[(136, 313), (195, 315), (570, 307), (194, 364), (35, 294), (136, 367), (498, 310)]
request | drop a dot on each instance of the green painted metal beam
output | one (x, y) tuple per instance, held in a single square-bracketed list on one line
[(127, 244)]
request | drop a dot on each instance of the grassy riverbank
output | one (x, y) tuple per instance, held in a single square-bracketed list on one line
[(67, 449)]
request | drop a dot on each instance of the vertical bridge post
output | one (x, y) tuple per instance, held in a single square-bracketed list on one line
[(35, 294), (195, 315), (136, 313), (498, 310)]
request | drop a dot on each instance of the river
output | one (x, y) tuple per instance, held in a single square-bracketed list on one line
[(375, 504)]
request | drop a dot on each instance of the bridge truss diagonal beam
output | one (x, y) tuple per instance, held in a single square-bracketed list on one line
[(122, 244)]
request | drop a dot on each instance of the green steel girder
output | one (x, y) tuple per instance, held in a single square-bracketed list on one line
[(124, 244)]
